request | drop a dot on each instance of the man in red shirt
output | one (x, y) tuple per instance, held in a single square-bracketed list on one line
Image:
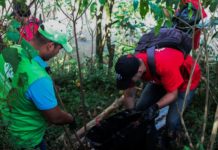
[(29, 25), (185, 21), (167, 87)]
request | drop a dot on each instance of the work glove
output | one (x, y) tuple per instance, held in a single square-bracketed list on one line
[(150, 113)]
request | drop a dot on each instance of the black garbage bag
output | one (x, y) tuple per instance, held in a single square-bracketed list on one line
[(123, 131)]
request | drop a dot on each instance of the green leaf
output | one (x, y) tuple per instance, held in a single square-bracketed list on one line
[(12, 57), (135, 4), (2, 3), (15, 24), (158, 12), (93, 9), (168, 23), (213, 5), (12, 31), (206, 3), (102, 2), (190, 13), (158, 26), (143, 8), (171, 3), (215, 35), (13, 35), (85, 3)]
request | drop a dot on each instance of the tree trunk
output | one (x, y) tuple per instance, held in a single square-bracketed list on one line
[(110, 46), (99, 39)]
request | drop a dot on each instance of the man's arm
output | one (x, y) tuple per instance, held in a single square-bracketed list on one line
[(42, 94), (129, 98), (168, 98), (57, 116)]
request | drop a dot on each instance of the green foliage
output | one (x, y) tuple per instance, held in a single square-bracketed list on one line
[(2, 3), (172, 3), (12, 57), (125, 18), (156, 10), (135, 4), (102, 2), (99, 86), (190, 13), (206, 3), (12, 31), (83, 4), (158, 26), (143, 8), (213, 5), (93, 9)]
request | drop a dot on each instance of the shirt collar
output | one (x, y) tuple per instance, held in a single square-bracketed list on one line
[(40, 61)]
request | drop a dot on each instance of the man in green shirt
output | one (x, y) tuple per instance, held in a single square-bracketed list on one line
[(27, 98)]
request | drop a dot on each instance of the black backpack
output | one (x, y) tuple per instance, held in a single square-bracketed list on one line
[(178, 37), (167, 37)]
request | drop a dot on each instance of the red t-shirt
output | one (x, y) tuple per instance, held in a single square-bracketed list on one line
[(29, 30), (168, 62)]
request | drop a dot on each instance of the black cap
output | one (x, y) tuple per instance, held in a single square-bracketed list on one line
[(126, 67), (21, 9)]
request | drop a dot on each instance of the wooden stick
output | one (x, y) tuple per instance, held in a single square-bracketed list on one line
[(80, 133), (116, 104)]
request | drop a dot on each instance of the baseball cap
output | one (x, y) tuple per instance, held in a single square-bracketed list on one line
[(126, 67), (56, 32)]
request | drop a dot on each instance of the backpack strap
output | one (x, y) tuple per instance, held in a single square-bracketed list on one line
[(151, 60)]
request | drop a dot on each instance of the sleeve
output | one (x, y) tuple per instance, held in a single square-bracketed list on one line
[(42, 94)]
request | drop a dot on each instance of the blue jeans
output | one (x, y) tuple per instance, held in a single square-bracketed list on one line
[(153, 92)]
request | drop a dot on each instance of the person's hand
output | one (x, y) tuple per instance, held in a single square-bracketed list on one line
[(150, 113)]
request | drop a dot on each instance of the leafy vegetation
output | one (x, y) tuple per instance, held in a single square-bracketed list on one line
[(112, 28)]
